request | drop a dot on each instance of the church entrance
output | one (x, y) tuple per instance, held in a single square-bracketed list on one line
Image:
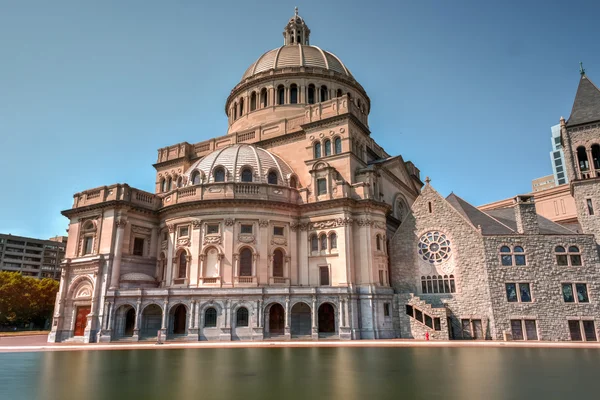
[(276, 319), (81, 320), (326, 318), (179, 320), (301, 320)]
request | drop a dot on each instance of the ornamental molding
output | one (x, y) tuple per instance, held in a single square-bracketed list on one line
[(279, 241), (196, 223), (171, 228), (229, 222), (164, 245), (121, 223), (183, 242), (263, 223), (246, 238), (141, 230), (212, 239), (332, 223)]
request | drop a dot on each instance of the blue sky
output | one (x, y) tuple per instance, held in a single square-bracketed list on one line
[(467, 90)]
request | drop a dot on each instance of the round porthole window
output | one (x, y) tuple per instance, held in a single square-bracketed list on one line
[(434, 247)]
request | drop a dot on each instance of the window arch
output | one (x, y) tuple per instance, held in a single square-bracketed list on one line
[(246, 262), (378, 242), (253, 101), (246, 175), (179, 181), (324, 93), (323, 241), (510, 257), (570, 258), (317, 150), (241, 106), (293, 93), (264, 98), (219, 174), (337, 145), (235, 106), (241, 317), (400, 210), (582, 158), (210, 318), (596, 156), (333, 240), (293, 182), (163, 185), (280, 95), (311, 94), (278, 263), (339, 93), (314, 243), (169, 183), (196, 177), (272, 178), (182, 265), (327, 147)]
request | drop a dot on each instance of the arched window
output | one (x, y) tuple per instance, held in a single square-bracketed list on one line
[(339, 93), (510, 257), (338, 145), (324, 93), (519, 256), (246, 262), (423, 285), (314, 243), (323, 242), (278, 264), (583, 159), (359, 104), (264, 98), (574, 256), (179, 182), (293, 182), (246, 175), (253, 101), (596, 156), (434, 281), (241, 317), (235, 106), (571, 258), (196, 178), (311, 94), (333, 241), (506, 256), (210, 318), (219, 175), (378, 242), (272, 178), (169, 183), (280, 95), (327, 147), (293, 93), (452, 284), (182, 267), (241, 107), (163, 185), (400, 210), (317, 149), (561, 256)]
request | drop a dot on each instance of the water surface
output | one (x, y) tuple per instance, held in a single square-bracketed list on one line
[(303, 373)]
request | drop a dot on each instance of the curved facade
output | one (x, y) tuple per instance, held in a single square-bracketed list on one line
[(277, 229)]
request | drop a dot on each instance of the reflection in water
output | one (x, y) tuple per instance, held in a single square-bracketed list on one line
[(302, 373)]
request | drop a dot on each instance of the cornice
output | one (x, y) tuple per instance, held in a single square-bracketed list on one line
[(115, 204), (345, 116), (168, 163)]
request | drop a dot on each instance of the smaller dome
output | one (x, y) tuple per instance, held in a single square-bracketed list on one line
[(235, 158)]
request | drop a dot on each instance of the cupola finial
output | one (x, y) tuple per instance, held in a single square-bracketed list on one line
[(296, 12), (581, 70)]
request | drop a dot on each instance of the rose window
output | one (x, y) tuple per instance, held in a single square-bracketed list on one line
[(434, 247)]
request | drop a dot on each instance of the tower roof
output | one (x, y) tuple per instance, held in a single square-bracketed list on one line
[(586, 107)]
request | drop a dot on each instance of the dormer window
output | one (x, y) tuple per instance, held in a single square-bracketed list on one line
[(246, 175), (272, 178), (219, 175)]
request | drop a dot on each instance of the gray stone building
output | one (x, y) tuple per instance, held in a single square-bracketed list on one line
[(462, 273), (32, 257)]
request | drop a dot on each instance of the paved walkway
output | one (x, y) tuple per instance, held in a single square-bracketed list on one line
[(38, 343)]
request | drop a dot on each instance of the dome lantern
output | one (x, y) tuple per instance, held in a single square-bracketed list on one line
[(296, 31)]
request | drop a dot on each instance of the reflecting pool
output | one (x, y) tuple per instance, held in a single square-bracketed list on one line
[(303, 373)]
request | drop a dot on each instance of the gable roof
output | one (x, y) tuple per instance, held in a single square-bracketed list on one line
[(586, 107), (501, 221)]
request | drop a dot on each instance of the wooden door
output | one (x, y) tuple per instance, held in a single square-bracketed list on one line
[(276, 319), (81, 320)]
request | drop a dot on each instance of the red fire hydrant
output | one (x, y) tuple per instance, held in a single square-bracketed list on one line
[(426, 335)]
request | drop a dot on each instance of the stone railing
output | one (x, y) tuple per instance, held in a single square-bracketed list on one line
[(245, 281), (117, 192)]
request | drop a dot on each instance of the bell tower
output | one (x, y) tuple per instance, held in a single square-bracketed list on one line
[(580, 136), (296, 31)]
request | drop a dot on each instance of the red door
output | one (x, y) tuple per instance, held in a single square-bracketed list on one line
[(81, 320)]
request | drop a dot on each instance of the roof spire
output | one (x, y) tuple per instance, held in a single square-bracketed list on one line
[(581, 70), (296, 12), (427, 180)]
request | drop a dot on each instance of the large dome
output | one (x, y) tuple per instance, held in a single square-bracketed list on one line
[(235, 158), (297, 55)]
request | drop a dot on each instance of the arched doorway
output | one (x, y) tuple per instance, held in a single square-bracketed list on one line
[(326, 318), (129, 322), (151, 320), (125, 321), (179, 317), (276, 319), (301, 320)]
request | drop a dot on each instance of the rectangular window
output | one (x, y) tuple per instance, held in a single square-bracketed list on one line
[(184, 231), (559, 169), (428, 321), (557, 153), (531, 329), (590, 331), (567, 290), (590, 207), (560, 175), (87, 245), (582, 294), (246, 229), (558, 162), (517, 329), (575, 331), (386, 309), (525, 292), (466, 329), (278, 230), (409, 310), (511, 292), (324, 275), (138, 246), (381, 277), (321, 186), (212, 229), (418, 315), (477, 329), (437, 324)]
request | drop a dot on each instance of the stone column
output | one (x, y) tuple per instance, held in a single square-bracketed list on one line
[(192, 313), (163, 327), (153, 250), (136, 327), (169, 261), (315, 328), (287, 314), (340, 314), (116, 264), (110, 316)]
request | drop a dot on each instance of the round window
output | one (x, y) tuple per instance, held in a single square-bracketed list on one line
[(434, 247)]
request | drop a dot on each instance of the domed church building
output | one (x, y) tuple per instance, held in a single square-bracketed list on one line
[(278, 229)]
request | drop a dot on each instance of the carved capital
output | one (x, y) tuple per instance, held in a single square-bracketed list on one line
[(229, 222), (121, 223), (263, 223), (196, 224), (171, 228)]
